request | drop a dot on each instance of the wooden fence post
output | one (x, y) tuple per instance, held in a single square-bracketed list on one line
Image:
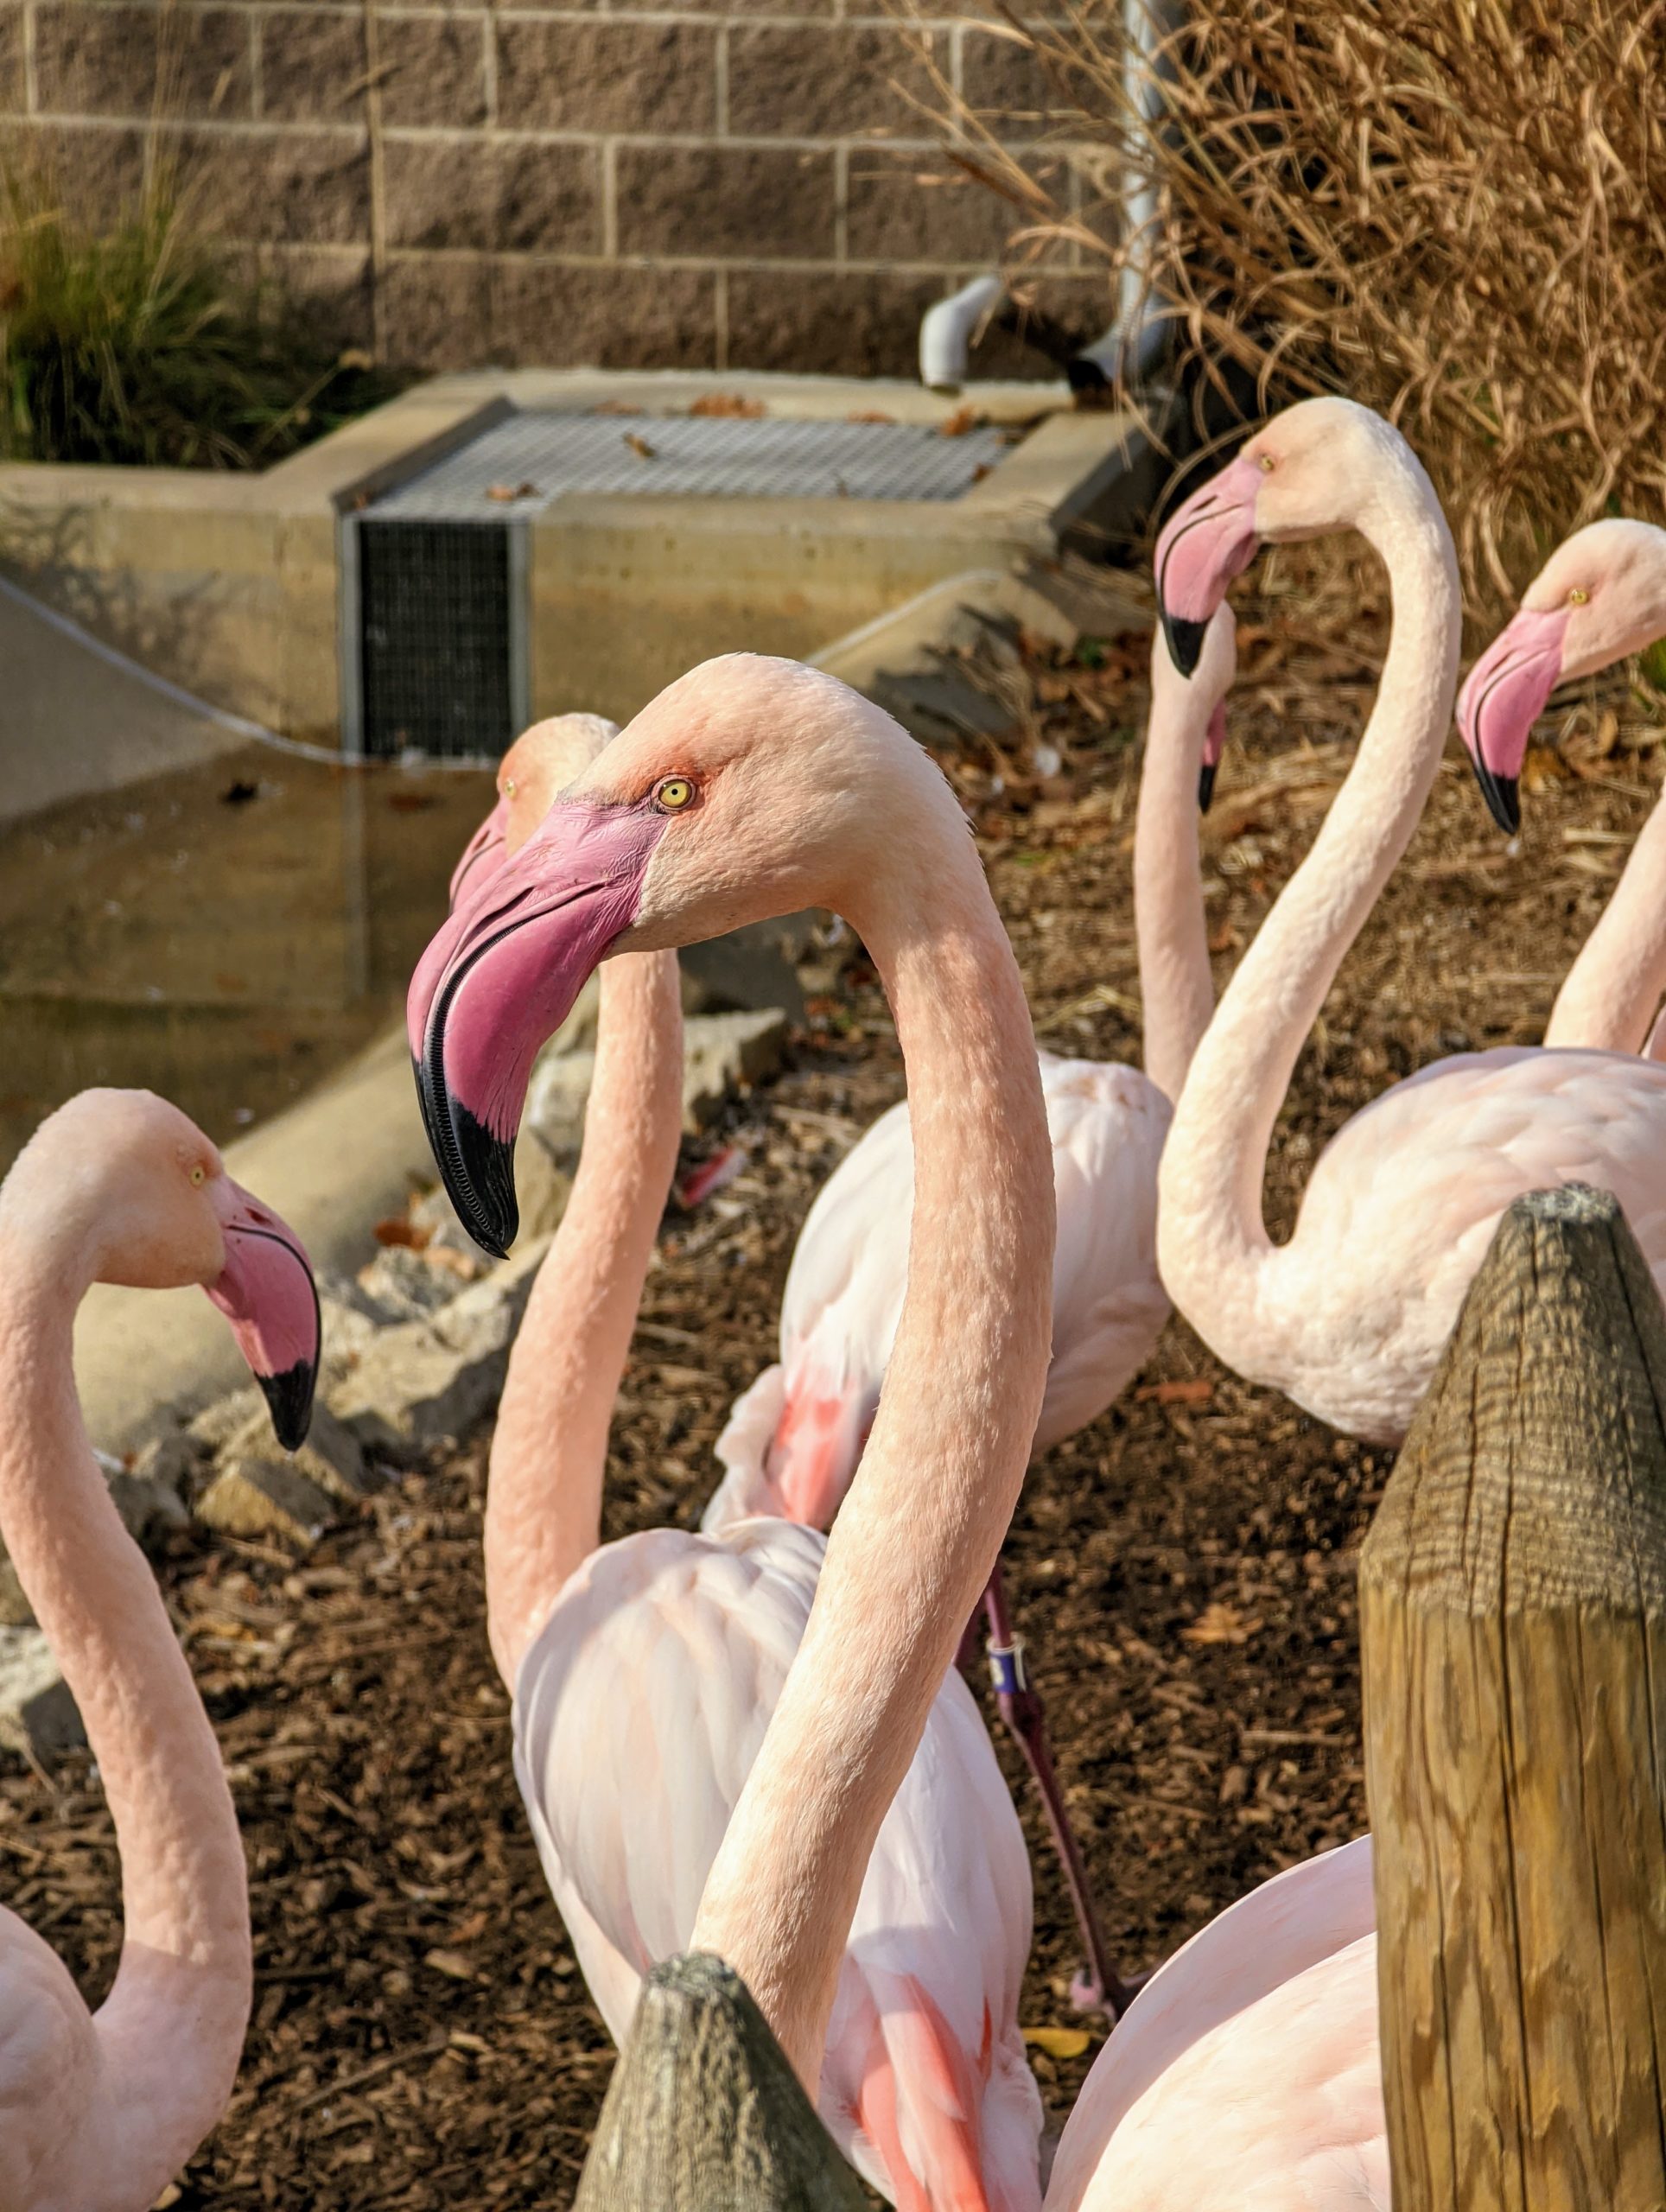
[(703, 2113), (1513, 1631)]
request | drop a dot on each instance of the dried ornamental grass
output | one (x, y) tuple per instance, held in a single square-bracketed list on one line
[(1453, 210)]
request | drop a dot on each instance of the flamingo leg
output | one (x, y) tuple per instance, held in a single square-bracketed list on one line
[(1097, 1987)]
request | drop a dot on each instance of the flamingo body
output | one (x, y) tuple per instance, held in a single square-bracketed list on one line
[(1255, 2048), (793, 1440), (925, 2085), (1403, 1203)]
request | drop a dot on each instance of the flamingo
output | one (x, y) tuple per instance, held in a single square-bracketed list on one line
[(1600, 595), (1349, 1318), (750, 788), (793, 1438), (644, 1672), (99, 2110)]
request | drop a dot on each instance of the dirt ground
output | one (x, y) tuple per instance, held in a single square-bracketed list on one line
[(1184, 1571)]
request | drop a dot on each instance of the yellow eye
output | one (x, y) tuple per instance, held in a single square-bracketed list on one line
[(1264, 462), (1579, 596), (509, 788), (199, 1176), (673, 793)]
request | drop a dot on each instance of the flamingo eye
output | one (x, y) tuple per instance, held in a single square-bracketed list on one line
[(673, 793), (1264, 462), (1579, 596), (199, 1176), (509, 788)]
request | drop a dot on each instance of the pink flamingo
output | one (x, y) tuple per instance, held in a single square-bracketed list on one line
[(1598, 597), (1349, 1317), (751, 788), (793, 1440), (644, 1671), (99, 2111)]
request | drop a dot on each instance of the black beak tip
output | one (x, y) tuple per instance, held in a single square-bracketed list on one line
[(1205, 786), (1504, 796), (479, 1169), (290, 1399), (1185, 641)]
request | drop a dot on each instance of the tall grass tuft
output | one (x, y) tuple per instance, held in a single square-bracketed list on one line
[(1453, 210), (141, 343)]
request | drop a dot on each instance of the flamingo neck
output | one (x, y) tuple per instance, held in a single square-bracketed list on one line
[(1212, 1247), (952, 1436), (171, 2034), (550, 1451), (1611, 994), (1176, 989)]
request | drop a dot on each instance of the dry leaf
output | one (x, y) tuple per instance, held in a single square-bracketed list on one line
[(398, 1231), (730, 405), (1220, 1624), (1194, 1393), (986, 469), (639, 446), (450, 1962), (1226, 939), (957, 425), (1059, 2043), (504, 492), (616, 407), (870, 415)]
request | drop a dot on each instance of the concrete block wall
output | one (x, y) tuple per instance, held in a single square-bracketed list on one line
[(704, 184)]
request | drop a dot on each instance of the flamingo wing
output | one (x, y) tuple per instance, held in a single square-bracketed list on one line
[(1251, 1969), (639, 1710), (50, 2102)]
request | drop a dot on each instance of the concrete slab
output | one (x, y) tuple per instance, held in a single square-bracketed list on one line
[(76, 716)]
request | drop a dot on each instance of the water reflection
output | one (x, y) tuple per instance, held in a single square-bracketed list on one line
[(226, 934)]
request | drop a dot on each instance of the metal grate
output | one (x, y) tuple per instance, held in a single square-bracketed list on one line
[(536, 456), (436, 636)]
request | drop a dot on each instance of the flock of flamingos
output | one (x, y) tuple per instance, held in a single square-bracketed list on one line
[(751, 1739)]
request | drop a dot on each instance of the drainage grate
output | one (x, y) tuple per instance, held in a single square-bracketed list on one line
[(437, 638), (541, 455)]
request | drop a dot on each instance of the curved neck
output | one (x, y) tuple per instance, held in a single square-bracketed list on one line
[(1212, 1241), (1609, 998), (171, 2033), (956, 1420), (1176, 989), (550, 1451)]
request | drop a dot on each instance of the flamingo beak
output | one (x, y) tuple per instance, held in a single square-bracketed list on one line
[(500, 976), (265, 1290), (1209, 539), (1503, 696), (1214, 744), (477, 853)]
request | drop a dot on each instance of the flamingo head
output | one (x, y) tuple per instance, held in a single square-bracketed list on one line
[(152, 1197), (1318, 467), (1600, 595), (1179, 700), (751, 787)]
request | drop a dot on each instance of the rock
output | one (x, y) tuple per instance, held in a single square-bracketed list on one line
[(754, 967), (406, 1285), (331, 1459), (218, 1424), (426, 1380), (555, 1099), (14, 1609), (265, 1497), (721, 1052), (37, 1714), (542, 1187)]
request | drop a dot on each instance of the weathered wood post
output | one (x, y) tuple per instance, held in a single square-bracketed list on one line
[(1513, 1626), (703, 2113)]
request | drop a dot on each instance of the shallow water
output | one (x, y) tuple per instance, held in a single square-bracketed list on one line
[(225, 935)]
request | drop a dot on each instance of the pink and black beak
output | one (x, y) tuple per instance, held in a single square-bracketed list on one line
[(480, 852), (266, 1292), (501, 976), (1209, 539), (1504, 695)]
